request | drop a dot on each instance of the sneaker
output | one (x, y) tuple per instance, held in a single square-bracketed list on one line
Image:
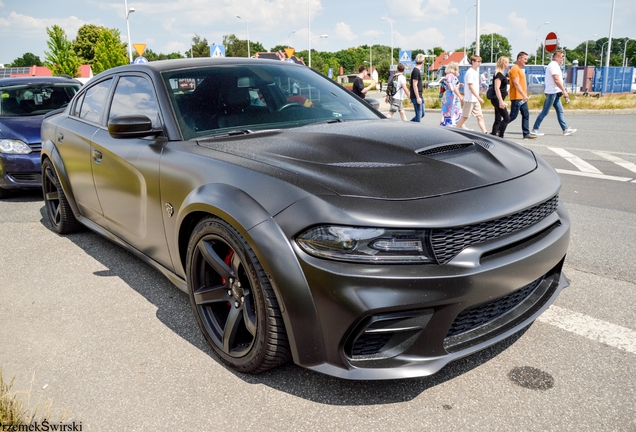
[(569, 131), (536, 132), (530, 136)]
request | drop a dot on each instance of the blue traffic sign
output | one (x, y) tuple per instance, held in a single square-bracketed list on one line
[(140, 60)]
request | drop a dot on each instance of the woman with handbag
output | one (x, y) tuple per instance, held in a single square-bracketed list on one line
[(497, 92)]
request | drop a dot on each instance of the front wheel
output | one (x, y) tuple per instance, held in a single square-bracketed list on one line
[(232, 299), (57, 207)]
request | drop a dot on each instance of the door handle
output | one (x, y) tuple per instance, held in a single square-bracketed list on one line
[(60, 138), (97, 156)]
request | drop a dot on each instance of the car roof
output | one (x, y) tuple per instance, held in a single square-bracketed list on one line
[(37, 80), (176, 64)]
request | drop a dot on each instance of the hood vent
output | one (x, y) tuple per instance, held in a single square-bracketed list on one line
[(364, 164), (429, 151)]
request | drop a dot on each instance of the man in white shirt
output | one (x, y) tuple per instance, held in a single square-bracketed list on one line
[(472, 100), (402, 91), (554, 89)]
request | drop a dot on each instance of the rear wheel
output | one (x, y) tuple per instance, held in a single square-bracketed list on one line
[(57, 207), (233, 300)]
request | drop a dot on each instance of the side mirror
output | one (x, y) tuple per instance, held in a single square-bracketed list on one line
[(132, 126)]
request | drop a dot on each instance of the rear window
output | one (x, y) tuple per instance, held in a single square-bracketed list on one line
[(35, 99)]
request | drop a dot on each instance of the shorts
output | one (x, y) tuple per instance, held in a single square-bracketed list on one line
[(473, 108), (396, 105)]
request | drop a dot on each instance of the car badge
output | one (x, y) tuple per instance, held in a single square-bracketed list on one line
[(169, 209)]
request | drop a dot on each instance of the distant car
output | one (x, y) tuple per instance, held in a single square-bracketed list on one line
[(23, 103), (536, 83), (436, 83), (308, 227)]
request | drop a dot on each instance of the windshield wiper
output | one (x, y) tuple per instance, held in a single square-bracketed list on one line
[(336, 120)]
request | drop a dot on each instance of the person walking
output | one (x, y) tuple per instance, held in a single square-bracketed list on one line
[(500, 90), (400, 94), (554, 89), (519, 94), (472, 100), (451, 98), (358, 84), (417, 86)]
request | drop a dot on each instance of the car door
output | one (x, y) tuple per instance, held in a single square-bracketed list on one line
[(73, 141), (126, 172)]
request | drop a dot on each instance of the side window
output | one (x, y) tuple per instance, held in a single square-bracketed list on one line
[(78, 106), (134, 96), (94, 102)]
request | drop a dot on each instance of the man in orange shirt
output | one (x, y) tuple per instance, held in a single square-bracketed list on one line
[(519, 94)]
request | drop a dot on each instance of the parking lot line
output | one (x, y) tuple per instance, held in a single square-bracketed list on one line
[(594, 329)]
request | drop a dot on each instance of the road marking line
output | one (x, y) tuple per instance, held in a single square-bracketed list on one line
[(575, 160), (618, 161), (593, 175), (599, 331)]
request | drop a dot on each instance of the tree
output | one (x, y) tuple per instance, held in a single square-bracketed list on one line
[(84, 43), (60, 59), (494, 45), (200, 47), (235, 47), (109, 52), (152, 56), (27, 60)]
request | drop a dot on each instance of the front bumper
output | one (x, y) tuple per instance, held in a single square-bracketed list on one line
[(21, 171)]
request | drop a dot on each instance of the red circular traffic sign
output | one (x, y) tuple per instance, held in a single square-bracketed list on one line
[(551, 42)]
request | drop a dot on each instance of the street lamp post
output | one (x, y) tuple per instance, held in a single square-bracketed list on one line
[(248, 35), (390, 22), (536, 37), (292, 32), (465, 26), (602, 49), (371, 54), (128, 12), (586, 42), (317, 37)]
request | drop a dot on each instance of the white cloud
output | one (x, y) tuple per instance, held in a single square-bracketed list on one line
[(420, 10), (423, 39), (343, 32)]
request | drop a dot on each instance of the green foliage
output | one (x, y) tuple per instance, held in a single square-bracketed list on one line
[(84, 43), (235, 47), (200, 47), (60, 59), (108, 52), (500, 47), (152, 56), (277, 48), (27, 60)]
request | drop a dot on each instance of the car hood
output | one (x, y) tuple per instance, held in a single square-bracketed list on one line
[(384, 159), (25, 128)]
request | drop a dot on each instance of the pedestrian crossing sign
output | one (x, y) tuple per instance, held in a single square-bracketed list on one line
[(217, 50), (405, 56)]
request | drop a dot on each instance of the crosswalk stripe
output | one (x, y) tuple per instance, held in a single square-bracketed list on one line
[(618, 161), (597, 330), (576, 161), (594, 175)]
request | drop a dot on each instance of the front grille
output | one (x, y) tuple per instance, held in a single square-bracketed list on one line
[(448, 242), (36, 147), (370, 343), (477, 316), (26, 177)]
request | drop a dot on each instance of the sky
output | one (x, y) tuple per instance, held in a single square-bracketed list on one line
[(167, 26)]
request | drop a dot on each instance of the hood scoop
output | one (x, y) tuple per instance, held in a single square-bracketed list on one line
[(452, 147)]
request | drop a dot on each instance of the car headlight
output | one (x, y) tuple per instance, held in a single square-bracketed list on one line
[(14, 147), (368, 245)]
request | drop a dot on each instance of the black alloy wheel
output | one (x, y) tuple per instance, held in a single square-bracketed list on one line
[(232, 299), (57, 207)]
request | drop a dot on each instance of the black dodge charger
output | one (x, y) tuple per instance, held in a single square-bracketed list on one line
[(302, 223)]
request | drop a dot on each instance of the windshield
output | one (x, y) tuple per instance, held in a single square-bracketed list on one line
[(35, 99), (219, 99)]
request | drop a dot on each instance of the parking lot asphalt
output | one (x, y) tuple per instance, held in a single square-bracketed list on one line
[(113, 343)]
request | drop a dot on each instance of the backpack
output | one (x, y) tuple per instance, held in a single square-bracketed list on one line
[(391, 86), (490, 93)]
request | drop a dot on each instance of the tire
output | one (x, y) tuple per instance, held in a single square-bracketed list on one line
[(232, 299), (58, 209)]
